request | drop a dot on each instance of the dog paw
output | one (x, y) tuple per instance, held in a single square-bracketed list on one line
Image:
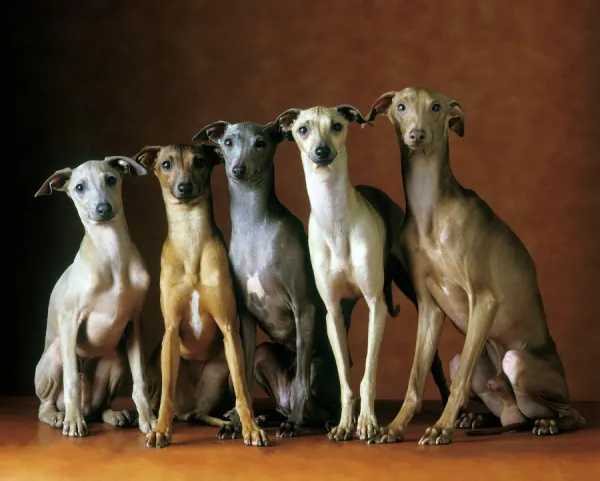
[(367, 427), (545, 427), (74, 426), (387, 435), (288, 429), (255, 437), (469, 421), (118, 419), (230, 431), (341, 433), (53, 418), (158, 438), (436, 435)]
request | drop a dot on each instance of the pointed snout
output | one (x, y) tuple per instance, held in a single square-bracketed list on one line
[(103, 212)]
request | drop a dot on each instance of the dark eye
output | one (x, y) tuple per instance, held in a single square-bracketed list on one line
[(111, 181), (166, 165), (260, 144), (80, 188), (337, 126), (228, 142), (303, 130), (401, 107), (198, 161), (436, 107)]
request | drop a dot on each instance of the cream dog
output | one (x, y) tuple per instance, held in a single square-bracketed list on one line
[(95, 308)]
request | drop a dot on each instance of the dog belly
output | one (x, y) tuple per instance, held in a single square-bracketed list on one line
[(100, 334)]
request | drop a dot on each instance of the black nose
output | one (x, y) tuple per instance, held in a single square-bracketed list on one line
[(417, 135), (185, 188), (104, 209), (323, 152), (239, 171)]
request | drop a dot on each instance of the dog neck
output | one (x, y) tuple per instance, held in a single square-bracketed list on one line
[(427, 179), (252, 202), (189, 223), (107, 242), (332, 197)]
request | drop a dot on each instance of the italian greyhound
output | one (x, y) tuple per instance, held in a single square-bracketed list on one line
[(94, 316), (352, 234), (466, 263), (196, 295), (271, 264)]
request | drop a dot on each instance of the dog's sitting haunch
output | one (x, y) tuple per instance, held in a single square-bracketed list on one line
[(94, 307)]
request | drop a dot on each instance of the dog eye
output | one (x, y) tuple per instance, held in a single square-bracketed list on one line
[(198, 161), (228, 142), (260, 144), (436, 107), (337, 126), (111, 181), (303, 130), (166, 165), (80, 188), (401, 107)]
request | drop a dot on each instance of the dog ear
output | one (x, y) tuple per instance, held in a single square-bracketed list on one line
[(57, 181), (352, 114), (126, 165), (456, 117), (381, 105), (211, 152), (212, 132), (274, 130), (286, 119), (147, 156)]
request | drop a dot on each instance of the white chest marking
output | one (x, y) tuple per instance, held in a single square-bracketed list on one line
[(195, 308), (253, 286)]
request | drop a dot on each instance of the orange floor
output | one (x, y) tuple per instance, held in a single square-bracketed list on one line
[(31, 450)]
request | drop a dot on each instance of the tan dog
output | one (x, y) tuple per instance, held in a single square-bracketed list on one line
[(465, 262), (197, 299), (94, 306), (352, 235)]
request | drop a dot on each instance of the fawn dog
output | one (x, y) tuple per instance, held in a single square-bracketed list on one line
[(196, 292), (466, 263), (95, 308), (354, 249)]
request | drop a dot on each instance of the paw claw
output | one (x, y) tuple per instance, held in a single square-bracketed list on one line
[(75, 427), (545, 427), (340, 433), (256, 437), (436, 435), (158, 438), (288, 429), (229, 431)]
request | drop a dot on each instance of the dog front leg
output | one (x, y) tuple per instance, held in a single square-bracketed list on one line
[(74, 423), (305, 329), (338, 338), (140, 397), (429, 329), (482, 311), (169, 363), (367, 422), (235, 360)]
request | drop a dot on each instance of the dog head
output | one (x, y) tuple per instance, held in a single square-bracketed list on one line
[(247, 148), (320, 132), (94, 186), (421, 116), (182, 170)]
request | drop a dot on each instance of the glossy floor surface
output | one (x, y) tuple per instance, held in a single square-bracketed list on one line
[(30, 450)]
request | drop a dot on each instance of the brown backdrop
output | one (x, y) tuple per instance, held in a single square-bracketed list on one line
[(91, 79)]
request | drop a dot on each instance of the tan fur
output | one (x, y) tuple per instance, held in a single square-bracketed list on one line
[(194, 260)]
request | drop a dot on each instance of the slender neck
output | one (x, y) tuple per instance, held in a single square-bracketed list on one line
[(110, 240), (427, 179), (189, 222), (331, 194), (252, 202)]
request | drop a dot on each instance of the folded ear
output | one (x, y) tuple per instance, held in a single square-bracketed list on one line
[(212, 132), (126, 165), (381, 105), (210, 152), (456, 117), (286, 119), (351, 114), (57, 181), (274, 130), (147, 156)]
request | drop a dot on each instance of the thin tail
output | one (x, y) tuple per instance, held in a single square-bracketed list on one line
[(524, 426)]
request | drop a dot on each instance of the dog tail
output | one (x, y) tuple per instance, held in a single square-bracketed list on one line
[(524, 426), (393, 310)]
